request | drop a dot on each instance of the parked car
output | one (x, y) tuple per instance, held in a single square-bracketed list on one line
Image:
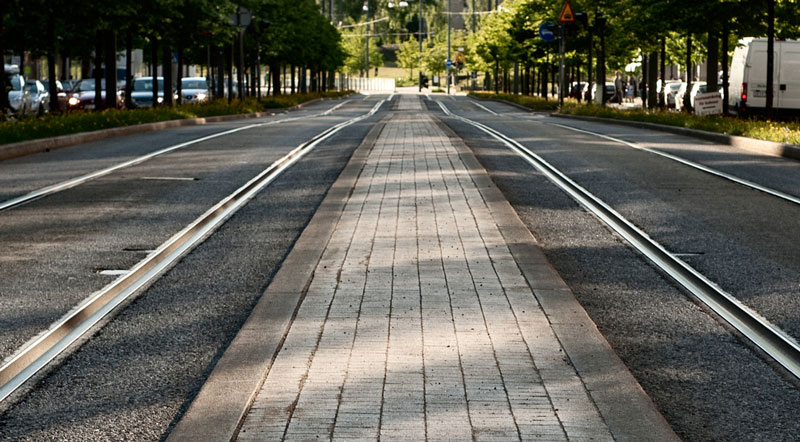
[(576, 91), (608, 92), (698, 87), (82, 96), (61, 93), (18, 97), (670, 90), (748, 77), (142, 94), (194, 90), (39, 97)]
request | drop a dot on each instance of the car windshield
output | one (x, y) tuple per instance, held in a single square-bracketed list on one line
[(675, 87), (146, 85), (14, 81), (87, 85), (194, 84)]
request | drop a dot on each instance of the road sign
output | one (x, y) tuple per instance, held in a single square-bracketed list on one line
[(546, 32), (567, 16), (448, 64)]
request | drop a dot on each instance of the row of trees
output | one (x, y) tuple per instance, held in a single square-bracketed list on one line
[(198, 32), (615, 33)]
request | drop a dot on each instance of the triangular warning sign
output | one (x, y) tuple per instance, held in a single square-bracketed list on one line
[(567, 16)]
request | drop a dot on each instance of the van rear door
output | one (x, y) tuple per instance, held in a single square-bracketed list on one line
[(788, 89), (757, 75)]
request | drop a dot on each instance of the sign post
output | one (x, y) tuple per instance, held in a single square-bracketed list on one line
[(567, 17)]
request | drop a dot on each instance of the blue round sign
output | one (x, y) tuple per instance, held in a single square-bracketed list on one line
[(546, 32)]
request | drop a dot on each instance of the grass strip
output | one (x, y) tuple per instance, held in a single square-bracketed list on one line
[(778, 131), (68, 123)]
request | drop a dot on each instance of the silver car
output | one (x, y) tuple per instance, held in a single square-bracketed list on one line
[(18, 96), (194, 90), (39, 97)]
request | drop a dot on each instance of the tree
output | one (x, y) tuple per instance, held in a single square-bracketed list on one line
[(408, 56)]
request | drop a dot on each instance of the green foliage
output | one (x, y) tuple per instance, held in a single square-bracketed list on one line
[(76, 122), (354, 45), (764, 130), (408, 56)]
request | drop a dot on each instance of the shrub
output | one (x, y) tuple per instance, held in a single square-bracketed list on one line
[(75, 122)]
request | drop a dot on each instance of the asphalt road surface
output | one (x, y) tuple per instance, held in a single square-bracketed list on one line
[(133, 378)]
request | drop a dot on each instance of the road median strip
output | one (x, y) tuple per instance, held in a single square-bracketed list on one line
[(29, 147)]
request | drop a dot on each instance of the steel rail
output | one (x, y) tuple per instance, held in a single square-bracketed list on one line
[(34, 356), (747, 183), (72, 182), (772, 340)]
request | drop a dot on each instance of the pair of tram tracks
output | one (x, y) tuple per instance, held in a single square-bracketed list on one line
[(37, 354), (775, 342), (72, 182)]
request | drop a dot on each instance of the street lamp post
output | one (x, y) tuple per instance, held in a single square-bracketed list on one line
[(448, 46), (419, 34), (366, 55)]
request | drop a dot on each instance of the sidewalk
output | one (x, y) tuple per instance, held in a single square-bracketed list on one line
[(420, 321)]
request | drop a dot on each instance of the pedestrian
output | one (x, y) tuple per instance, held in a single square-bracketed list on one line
[(618, 87)]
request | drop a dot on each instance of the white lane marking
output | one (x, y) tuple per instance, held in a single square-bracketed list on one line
[(64, 185), (168, 178), (32, 357), (753, 185), (331, 110), (114, 272), (483, 107)]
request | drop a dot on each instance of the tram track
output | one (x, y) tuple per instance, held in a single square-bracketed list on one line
[(693, 164), (76, 181), (775, 342), (38, 353)]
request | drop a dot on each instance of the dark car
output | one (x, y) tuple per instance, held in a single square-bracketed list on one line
[(60, 93), (82, 96), (576, 90), (142, 94)]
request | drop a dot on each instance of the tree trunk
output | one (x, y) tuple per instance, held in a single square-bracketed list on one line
[(712, 61), (111, 69), (275, 73), (687, 103), (51, 62), (4, 104), (589, 65), (652, 80), (725, 91), (220, 73), (154, 73), (98, 71), (770, 55), (167, 69), (229, 65), (293, 73), (128, 67), (645, 79), (496, 75), (661, 99), (179, 78)]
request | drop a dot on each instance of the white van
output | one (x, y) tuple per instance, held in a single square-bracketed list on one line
[(748, 76)]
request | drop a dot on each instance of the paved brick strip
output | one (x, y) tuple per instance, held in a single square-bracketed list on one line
[(418, 324)]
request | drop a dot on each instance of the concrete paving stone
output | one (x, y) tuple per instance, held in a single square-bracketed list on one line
[(431, 310)]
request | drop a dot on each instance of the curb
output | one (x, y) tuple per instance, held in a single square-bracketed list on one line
[(624, 406), (23, 148), (218, 410), (510, 103), (758, 146)]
